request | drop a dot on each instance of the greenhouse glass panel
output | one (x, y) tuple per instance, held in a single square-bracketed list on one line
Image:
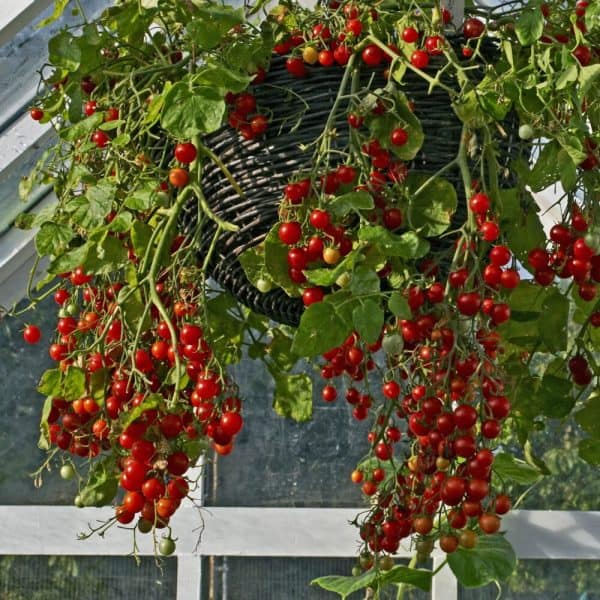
[(86, 578)]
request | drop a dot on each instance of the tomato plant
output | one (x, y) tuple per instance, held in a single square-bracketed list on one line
[(435, 281)]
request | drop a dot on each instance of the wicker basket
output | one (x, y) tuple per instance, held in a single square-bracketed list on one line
[(263, 167)]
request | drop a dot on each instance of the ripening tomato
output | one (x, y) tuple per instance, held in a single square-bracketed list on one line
[(419, 59), (473, 28), (410, 35), (185, 153), (32, 334), (178, 177)]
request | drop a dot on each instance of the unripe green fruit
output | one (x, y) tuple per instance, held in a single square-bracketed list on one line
[(526, 132), (264, 285), (67, 472)]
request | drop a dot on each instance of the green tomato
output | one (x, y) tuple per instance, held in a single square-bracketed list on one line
[(343, 280), (366, 561), (144, 526), (392, 344), (78, 502), (67, 472), (386, 563), (356, 571), (424, 546), (526, 131), (166, 546), (264, 285), (592, 239)]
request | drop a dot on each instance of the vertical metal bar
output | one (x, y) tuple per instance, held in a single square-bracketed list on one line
[(188, 577), (445, 586), (224, 569)]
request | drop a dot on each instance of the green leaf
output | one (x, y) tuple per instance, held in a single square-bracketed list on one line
[(589, 450), (213, 24), (90, 210), (133, 308), (121, 140), (509, 468), (408, 245), (122, 222), (493, 559), (539, 318), (44, 440), (82, 128), (98, 381), (364, 281), (253, 263), (398, 304), (554, 321), (64, 51), (279, 349), (219, 76), (469, 110), (368, 320), (50, 383), (53, 239), (587, 78), (151, 402), (276, 262), (143, 198), (589, 416), (140, 237), (494, 104), (25, 221), (194, 448), (102, 483), (293, 396), (70, 260), (189, 112), (556, 395), (419, 578), (346, 585), (430, 211), (73, 385), (568, 170), (524, 233), (328, 276), (530, 26), (572, 145), (567, 76), (59, 8), (109, 257), (546, 169), (321, 329), (381, 126), (340, 206)]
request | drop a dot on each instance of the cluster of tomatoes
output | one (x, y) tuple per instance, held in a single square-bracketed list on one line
[(128, 410), (442, 405), (243, 115), (439, 411), (569, 255), (572, 253), (333, 42)]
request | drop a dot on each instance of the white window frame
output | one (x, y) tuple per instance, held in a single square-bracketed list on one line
[(275, 532)]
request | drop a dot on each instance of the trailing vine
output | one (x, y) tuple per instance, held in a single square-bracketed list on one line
[(406, 230)]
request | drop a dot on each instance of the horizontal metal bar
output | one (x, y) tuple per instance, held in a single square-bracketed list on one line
[(17, 256), (17, 15), (293, 532), (23, 134)]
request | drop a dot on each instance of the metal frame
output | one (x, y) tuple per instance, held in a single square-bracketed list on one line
[(276, 532), (283, 532), (17, 15)]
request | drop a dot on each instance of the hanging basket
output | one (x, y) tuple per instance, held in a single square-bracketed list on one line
[(262, 167)]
